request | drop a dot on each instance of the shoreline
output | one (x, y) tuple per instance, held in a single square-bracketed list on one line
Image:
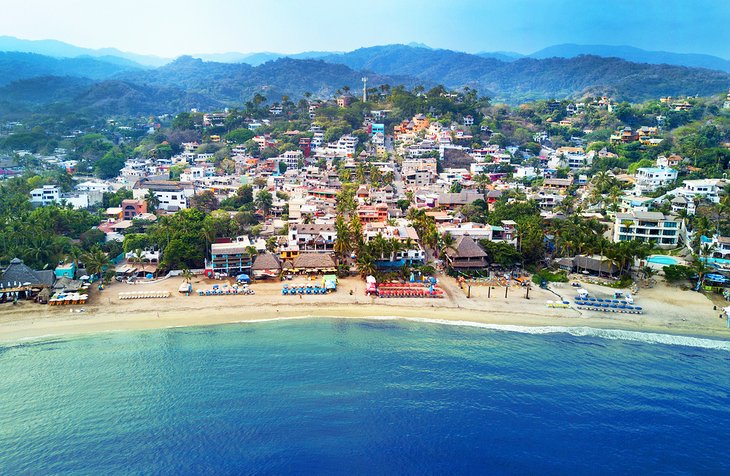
[(668, 311), (90, 324)]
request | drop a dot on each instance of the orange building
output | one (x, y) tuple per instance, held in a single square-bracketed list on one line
[(133, 208), (372, 213)]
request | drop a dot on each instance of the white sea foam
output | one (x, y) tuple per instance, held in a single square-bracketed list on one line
[(610, 334)]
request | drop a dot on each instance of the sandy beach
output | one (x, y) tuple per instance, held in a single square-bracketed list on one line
[(668, 310)]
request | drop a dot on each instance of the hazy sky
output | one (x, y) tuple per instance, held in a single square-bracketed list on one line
[(174, 27)]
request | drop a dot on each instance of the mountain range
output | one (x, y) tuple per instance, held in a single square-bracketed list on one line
[(101, 83), (60, 49)]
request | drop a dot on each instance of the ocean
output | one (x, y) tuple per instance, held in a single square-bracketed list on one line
[(334, 396)]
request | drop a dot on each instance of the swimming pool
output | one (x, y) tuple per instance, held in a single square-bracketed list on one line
[(662, 260), (716, 261)]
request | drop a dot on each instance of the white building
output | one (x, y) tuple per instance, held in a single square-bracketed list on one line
[(523, 172), (50, 194), (652, 227), (708, 189), (45, 195), (291, 158), (172, 196), (477, 231), (649, 179), (573, 157)]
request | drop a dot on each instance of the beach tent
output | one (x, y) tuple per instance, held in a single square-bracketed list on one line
[(243, 278), (329, 282)]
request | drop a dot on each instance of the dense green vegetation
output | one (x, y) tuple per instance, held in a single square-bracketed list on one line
[(34, 82)]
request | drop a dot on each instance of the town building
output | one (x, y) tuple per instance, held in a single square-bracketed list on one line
[(133, 208), (230, 258), (650, 227), (649, 179), (466, 255), (45, 195), (313, 237), (172, 196)]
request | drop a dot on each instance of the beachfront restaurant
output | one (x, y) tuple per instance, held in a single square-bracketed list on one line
[(466, 255), (18, 281), (314, 263), (591, 265), (266, 265)]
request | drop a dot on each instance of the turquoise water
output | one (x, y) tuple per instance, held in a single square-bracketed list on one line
[(717, 261), (375, 397), (662, 259)]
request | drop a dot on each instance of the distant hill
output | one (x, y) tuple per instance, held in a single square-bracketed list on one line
[(636, 55), (528, 79), (16, 66), (446, 67), (29, 81), (59, 49), (238, 82), (256, 59), (506, 56), (44, 89), (183, 84), (124, 98)]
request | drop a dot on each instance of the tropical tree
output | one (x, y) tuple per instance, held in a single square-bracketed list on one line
[(365, 264), (356, 233), (187, 275), (447, 242), (138, 257), (152, 201), (263, 201), (343, 242), (96, 262)]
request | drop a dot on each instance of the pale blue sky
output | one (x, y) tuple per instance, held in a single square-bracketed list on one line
[(171, 28)]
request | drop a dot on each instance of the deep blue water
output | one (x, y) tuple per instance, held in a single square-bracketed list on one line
[(374, 397)]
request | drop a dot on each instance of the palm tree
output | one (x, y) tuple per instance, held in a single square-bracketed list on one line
[(482, 180), (699, 266), (187, 275), (365, 264), (73, 255), (648, 272), (343, 243), (396, 246), (152, 201), (614, 195), (707, 249), (379, 246), (356, 233), (446, 243), (96, 262), (138, 257)]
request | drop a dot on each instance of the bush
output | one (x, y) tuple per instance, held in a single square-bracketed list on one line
[(546, 275), (677, 272)]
